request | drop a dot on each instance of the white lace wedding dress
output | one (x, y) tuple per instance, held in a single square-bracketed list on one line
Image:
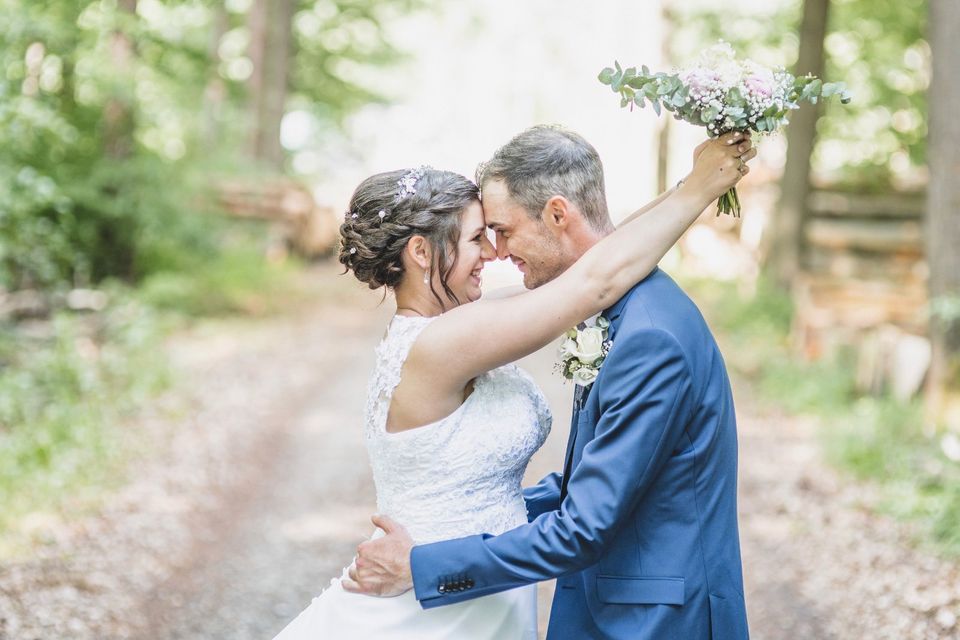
[(455, 477)]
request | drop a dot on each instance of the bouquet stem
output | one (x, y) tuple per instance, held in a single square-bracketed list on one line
[(729, 203)]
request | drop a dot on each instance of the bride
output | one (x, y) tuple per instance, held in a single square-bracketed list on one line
[(450, 423)]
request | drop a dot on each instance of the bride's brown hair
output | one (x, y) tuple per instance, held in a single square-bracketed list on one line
[(371, 245)]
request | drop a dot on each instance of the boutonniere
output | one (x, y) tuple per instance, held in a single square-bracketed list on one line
[(583, 350)]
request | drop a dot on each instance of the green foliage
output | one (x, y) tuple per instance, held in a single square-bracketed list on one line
[(888, 70), (335, 42), (237, 282), (107, 129), (63, 398), (877, 439), (83, 198)]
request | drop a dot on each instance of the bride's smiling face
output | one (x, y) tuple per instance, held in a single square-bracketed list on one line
[(474, 250)]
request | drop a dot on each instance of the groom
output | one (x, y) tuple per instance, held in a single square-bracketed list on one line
[(640, 529)]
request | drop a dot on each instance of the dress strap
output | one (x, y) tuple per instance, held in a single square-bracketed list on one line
[(392, 352)]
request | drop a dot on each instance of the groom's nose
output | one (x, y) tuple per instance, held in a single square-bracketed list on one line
[(502, 252)]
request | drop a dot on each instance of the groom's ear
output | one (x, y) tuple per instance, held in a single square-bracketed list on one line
[(556, 214)]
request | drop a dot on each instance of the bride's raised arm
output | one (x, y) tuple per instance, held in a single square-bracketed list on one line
[(474, 338)]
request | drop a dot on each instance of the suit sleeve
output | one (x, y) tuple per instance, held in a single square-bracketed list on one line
[(646, 402), (543, 496)]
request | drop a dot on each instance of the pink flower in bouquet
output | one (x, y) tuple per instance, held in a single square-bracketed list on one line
[(701, 81), (759, 85)]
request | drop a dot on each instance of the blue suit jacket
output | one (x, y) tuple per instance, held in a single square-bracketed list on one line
[(641, 528)]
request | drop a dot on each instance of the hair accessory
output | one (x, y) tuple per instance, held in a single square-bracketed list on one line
[(353, 250), (407, 185)]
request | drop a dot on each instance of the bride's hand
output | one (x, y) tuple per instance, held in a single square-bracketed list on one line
[(382, 565), (720, 163)]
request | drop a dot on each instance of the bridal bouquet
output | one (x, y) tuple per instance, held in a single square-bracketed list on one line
[(723, 94)]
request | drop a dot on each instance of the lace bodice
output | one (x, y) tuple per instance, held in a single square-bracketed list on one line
[(460, 475)]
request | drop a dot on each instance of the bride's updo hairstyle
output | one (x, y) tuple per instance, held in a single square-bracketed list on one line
[(388, 209)]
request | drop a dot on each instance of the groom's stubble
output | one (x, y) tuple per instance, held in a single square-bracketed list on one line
[(556, 258), (548, 261)]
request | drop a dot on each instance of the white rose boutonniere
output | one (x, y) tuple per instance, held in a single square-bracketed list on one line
[(583, 350)]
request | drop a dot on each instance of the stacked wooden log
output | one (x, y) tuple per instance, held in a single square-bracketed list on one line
[(298, 223), (864, 284)]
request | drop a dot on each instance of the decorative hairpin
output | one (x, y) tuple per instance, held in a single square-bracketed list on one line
[(407, 185)]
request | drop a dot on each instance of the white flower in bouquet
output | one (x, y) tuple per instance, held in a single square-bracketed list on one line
[(723, 94)]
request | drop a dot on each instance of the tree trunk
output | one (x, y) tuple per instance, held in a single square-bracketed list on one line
[(784, 241), (271, 29), (215, 93), (668, 22), (118, 113), (943, 205)]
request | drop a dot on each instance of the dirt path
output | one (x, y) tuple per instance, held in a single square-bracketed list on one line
[(262, 491)]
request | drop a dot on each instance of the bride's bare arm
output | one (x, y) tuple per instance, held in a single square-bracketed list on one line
[(647, 207), (474, 338), (505, 292)]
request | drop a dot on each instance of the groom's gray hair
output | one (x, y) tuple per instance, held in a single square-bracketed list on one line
[(546, 161)]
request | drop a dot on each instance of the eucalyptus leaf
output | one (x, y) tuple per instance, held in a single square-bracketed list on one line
[(617, 81)]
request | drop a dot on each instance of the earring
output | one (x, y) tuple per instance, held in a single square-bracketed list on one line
[(426, 277)]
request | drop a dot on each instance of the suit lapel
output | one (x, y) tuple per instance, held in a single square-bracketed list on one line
[(580, 394)]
